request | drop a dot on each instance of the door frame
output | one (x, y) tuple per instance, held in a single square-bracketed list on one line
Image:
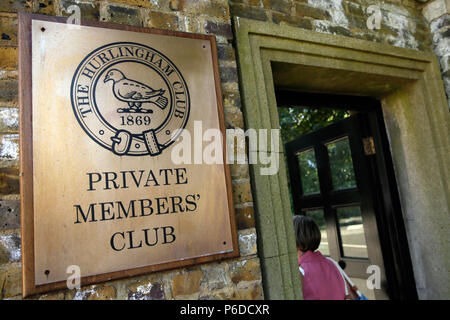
[(394, 247), (416, 116)]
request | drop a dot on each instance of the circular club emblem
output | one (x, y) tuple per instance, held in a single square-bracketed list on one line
[(130, 99)]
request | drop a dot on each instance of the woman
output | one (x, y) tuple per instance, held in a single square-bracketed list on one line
[(321, 278)]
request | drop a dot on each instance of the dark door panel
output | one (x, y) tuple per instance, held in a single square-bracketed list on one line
[(328, 170), (366, 199)]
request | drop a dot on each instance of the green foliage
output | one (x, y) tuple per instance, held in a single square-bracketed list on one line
[(308, 171), (342, 172), (295, 122)]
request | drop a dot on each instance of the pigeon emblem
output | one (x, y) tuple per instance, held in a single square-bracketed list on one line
[(134, 93)]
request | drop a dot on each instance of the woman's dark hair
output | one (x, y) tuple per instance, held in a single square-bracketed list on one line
[(307, 233)]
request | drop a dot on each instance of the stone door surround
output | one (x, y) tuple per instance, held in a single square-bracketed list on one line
[(416, 116)]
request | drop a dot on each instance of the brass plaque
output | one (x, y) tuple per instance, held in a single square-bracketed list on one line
[(107, 108)]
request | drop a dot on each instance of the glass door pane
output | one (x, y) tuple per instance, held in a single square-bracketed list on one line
[(308, 172), (352, 232), (341, 164)]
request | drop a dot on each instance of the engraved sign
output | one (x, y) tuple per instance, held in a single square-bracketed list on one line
[(141, 85), (102, 107)]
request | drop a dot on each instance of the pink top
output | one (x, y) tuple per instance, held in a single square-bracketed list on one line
[(321, 279)]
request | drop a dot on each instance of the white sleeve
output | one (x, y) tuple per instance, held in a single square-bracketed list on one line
[(301, 271)]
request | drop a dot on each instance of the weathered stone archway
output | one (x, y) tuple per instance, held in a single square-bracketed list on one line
[(415, 111)]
